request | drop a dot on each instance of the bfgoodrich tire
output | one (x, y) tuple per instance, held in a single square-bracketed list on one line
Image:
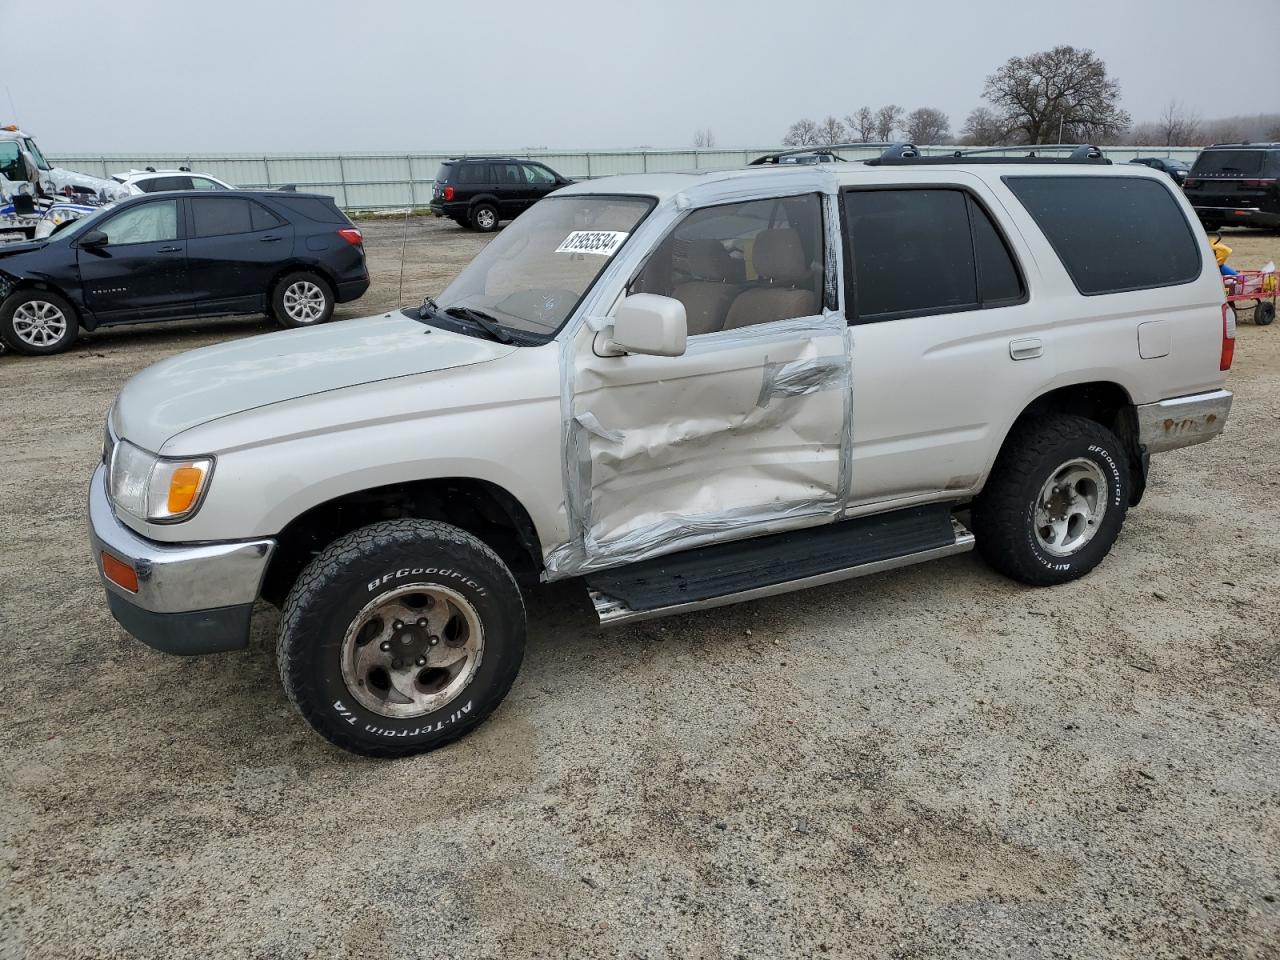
[(1055, 501), (401, 637)]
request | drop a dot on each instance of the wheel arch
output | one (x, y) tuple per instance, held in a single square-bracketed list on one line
[(1103, 401), (480, 507)]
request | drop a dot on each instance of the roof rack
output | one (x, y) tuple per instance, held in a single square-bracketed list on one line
[(908, 154)]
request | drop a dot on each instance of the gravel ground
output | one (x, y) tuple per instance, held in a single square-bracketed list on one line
[(934, 762)]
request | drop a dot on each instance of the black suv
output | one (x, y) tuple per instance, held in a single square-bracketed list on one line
[(1236, 184), (1174, 168), (169, 256), (480, 192)]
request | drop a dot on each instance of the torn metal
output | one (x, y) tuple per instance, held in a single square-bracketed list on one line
[(748, 432)]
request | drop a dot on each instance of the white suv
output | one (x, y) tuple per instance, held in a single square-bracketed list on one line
[(152, 180), (686, 390)]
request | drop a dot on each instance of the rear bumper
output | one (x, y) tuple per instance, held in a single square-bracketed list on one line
[(191, 599), (351, 290), (454, 208), (1247, 216), (1182, 421)]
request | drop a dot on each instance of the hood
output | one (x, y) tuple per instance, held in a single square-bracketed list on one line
[(10, 249), (104, 189), (207, 384)]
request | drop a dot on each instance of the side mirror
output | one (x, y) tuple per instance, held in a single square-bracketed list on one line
[(94, 238), (650, 324)]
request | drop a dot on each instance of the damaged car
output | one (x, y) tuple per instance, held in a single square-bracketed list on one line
[(683, 390), (36, 197)]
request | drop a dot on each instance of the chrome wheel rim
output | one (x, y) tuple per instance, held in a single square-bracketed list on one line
[(39, 323), (412, 650), (486, 219), (304, 301), (1070, 507)]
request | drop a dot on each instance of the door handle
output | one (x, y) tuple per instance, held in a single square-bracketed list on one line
[(268, 239), (169, 250), (1025, 349)]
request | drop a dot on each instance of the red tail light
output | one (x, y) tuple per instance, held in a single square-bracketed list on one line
[(1191, 182), (352, 236), (448, 193), (1258, 183), (1228, 337)]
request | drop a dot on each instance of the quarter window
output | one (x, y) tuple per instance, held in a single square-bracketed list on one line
[(741, 264), (220, 216), (147, 223), (926, 251), (1112, 233), (260, 218)]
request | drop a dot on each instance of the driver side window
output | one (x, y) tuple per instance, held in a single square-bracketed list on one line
[(148, 223), (742, 264), (11, 166)]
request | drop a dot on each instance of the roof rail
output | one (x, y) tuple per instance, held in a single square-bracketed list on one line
[(1080, 153)]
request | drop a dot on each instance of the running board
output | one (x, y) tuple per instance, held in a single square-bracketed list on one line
[(727, 573)]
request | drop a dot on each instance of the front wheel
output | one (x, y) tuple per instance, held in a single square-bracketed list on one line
[(302, 299), (1055, 501), (38, 323), (401, 637)]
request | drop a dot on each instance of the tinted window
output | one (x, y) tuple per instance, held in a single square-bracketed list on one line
[(999, 282), (1230, 162), (473, 173), (11, 165), (160, 184), (1112, 233), (512, 174), (145, 223), (204, 183), (912, 252), (741, 264), (313, 208), (260, 218), (220, 216), (445, 171)]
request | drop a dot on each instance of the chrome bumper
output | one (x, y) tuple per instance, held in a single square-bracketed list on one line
[(1182, 421), (191, 598)]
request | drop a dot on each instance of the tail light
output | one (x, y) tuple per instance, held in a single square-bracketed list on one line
[(1258, 183), (352, 235), (1228, 337), (448, 193), (1191, 182)]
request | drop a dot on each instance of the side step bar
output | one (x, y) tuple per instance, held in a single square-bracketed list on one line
[(727, 573)]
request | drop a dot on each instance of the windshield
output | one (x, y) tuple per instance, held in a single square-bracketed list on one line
[(1246, 162), (77, 227), (532, 275), (36, 155)]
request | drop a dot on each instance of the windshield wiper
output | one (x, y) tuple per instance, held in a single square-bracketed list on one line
[(482, 320), (428, 309)]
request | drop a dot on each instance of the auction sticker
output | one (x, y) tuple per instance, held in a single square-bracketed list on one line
[(602, 242)]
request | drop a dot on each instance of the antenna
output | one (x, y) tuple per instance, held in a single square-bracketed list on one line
[(12, 107), (404, 239)]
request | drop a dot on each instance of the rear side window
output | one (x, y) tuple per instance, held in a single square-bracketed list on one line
[(220, 216), (1239, 163), (260, 218), (1112, 233), (474, 173), (919, 252), (161, 184), (313, 208)]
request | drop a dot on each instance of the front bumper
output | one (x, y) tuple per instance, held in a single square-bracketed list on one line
[(191, 598), (1182, 421)]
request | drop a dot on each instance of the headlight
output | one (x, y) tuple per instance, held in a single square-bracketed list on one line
[(158, 489)]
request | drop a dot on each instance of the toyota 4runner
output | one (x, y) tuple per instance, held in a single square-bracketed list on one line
[(686, 390)]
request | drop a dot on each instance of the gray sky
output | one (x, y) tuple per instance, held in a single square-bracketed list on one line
[(231, 75)]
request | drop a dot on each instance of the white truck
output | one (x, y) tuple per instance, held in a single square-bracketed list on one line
[(36, 197), (686, 390)]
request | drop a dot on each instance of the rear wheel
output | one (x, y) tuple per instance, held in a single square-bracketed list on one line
[(1264, 312), (38, 323), (302, 299), (1055, 501), (484, 217), (401, 637)]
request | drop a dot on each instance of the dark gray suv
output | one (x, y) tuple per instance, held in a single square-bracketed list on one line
[(480, 192)]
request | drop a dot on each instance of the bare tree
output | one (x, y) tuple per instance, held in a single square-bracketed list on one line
[(928, 125), (831, 131), (1178, 125), (1058, 93), (862, 124), (982, 128), (704, 138), (802, 133), (888, 119)]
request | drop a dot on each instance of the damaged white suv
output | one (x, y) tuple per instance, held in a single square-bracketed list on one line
[(687, 390)]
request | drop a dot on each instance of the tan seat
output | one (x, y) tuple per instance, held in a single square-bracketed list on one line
[(707, 298), (785, 288)]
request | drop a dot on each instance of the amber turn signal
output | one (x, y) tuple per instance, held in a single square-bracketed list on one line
[(184, 485), (119, 572)]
